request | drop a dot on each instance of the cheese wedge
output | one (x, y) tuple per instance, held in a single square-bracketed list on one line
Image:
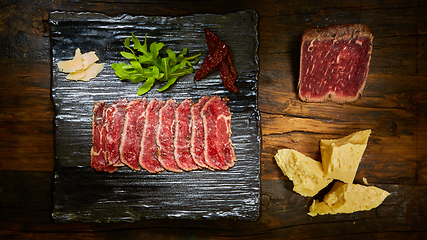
[(341, 157), (92, 71), (348, 198), (305, 173), (88, 59), (81, 67), (72, 65)]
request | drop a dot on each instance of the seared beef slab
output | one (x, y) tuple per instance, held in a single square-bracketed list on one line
[(334, 63)]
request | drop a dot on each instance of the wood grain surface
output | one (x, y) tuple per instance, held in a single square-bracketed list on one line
[(393, 105)]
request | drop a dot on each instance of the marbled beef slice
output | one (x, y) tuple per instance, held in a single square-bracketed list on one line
[(165, 136), (98, 150), (149, 149), (130, 145), (182, 141), (219, 152), (197, 142), (334, 63), (115, 119)]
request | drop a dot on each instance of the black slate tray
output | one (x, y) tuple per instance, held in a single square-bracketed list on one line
[(82, 194)]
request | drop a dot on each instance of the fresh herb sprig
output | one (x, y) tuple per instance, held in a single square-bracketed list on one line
[(150, 66)]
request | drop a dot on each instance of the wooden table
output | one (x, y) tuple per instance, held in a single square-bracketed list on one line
[(394, 106)]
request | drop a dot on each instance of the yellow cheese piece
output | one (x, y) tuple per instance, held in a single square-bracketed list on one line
[(72, 65), (341, 157), (305, 173), (87, 74), (76, 75), (89, 58), (348, 198), (92, 71), (81, 67)]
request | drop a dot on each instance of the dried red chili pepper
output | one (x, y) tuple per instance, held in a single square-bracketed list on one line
[(227, 77), (212, 60), (226, 68)]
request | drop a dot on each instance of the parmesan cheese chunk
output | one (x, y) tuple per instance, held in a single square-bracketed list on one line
[(305, 172), (92, 71), (81, 67), (88, 59), (341, 157), (348, 198), (72, 65)]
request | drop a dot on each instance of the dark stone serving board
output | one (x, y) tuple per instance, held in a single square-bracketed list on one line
[(82, 194)]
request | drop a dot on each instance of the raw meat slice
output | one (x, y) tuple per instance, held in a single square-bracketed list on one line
[(97, 152), (148, 155), (183, 137), (115, 119), (219, 153), (130, 145), (334, 63), (165, 136), (198, 133)]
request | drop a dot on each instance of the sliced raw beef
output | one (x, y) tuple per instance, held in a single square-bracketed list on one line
[(334, 63), (165, 136), (98, 151), (148, 155), (115, 120), (130, 145), (219, 153), (158, 136), (198, 134), (183, 137)]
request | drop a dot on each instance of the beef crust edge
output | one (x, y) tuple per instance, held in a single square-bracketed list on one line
[(337, 32)]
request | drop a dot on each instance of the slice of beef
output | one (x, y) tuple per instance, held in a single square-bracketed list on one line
[(334, 63), (165, 136), (115, 119), (219, 153), (98, 150), (183, 137), (148, 155), (197, 143), (130, 145)]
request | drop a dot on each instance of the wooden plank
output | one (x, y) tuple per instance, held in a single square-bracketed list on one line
[(26, 116)]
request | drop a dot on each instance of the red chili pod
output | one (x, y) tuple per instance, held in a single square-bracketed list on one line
[(211, 40), (227, 77), (226, 68), (212, 60)]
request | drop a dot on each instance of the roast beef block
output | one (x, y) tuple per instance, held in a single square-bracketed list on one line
[(334, 63)]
